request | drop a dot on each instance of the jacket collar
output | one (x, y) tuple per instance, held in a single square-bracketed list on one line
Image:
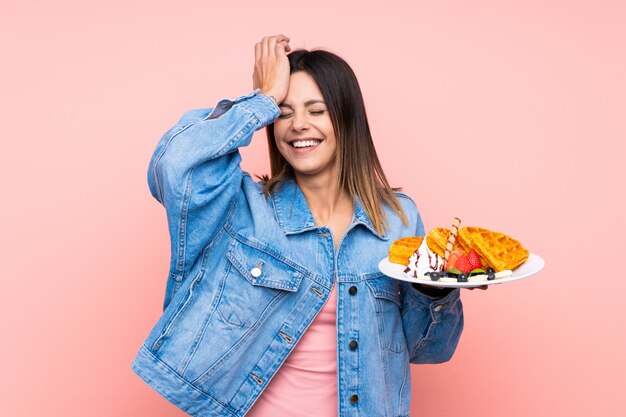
[(294, 216)]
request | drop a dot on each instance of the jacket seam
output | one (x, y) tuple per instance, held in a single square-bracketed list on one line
[(180, 309), (240, 134), (158, 159), (182, 225), (383, 351), (400, 403)]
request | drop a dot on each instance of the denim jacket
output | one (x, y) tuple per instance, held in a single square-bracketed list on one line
[(248, 275)]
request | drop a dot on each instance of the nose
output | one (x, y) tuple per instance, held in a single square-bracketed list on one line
[(299, 121)]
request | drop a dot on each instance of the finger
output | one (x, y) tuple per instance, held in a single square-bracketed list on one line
[(280, 49), (281, 38), (480, 287), (257, 51), (265, 47), (272, 46), (284, 46), (273, 40), (277, 38)]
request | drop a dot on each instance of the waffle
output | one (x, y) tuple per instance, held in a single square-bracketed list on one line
[(402, 249), (494, 249), (437, 240)]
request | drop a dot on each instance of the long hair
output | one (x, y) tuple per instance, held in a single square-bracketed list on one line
[(361, 174)]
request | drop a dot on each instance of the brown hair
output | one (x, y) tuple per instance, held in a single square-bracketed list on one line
[(361, 174)]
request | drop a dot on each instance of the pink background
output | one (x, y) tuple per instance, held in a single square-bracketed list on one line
[(508, 114)]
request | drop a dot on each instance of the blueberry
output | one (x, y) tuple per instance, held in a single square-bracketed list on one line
[(462, 278), (491, 276), (490, 270), (434, 276)]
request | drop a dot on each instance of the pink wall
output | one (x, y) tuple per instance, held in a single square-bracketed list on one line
[(507, 114)]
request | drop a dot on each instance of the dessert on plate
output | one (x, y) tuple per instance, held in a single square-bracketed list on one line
[(469, 254)]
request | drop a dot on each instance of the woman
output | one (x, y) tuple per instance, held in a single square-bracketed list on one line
[(275, 305)]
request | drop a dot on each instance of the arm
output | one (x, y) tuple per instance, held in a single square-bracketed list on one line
[(195, 170), (432, 318), (195, 174)]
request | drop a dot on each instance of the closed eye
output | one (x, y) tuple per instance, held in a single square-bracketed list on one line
[(313, 112)]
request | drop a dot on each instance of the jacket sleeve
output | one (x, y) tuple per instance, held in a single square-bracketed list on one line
[(195, 174), (432, 324)]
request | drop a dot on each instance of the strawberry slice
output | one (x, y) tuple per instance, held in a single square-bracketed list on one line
[(463, 264), (452, 258), (474, 260)]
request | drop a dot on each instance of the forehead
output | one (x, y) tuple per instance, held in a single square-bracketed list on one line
[(302, 89)]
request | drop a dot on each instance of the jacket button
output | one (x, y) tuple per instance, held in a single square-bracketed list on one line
[(354, 399), (353, 345), (352, 290), (256, 271)]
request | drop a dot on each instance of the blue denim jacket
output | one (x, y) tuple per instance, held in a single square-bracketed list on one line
[(227, 327)]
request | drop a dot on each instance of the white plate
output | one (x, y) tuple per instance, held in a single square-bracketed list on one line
[(533, 264)]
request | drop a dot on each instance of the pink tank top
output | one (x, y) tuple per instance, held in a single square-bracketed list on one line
[(306, 384)]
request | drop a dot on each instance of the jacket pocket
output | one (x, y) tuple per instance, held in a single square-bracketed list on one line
[(248, 298), (387, 304), (255, 281)]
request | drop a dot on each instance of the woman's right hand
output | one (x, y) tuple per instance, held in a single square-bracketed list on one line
[(271, 66)]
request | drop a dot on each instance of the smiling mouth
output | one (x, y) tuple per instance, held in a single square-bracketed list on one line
[(305, 143)]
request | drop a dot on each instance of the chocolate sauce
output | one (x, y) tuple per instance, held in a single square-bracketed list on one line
[(430, 262)]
